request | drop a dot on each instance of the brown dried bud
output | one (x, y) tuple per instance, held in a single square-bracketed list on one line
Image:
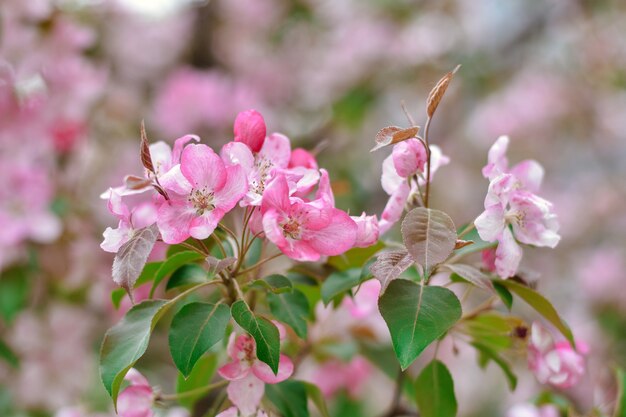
[(436, 94), (520, 332), (393, 134), (134, 182), (462, 243), (146, 159)]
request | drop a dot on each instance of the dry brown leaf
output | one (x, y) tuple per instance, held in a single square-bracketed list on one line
[(436, 94), (391, 135)]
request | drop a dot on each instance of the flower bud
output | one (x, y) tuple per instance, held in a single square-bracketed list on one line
[(250, 129)]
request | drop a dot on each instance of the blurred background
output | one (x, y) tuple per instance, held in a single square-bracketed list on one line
[(77, 77)]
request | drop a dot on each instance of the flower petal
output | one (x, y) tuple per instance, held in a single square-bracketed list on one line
[(246, 393), (508, 255), (277, 149), (490, 223), (234, 189), (201, 227), (336, 238), (250, 129), (203, 168), (173, 220), (265, 373)]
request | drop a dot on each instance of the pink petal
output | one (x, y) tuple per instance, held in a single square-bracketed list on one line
[(367, 230), (530, 173), (490, 223), (394, 208), (234, 189), (203, 226), (234, 370), (273, 230), (161, 155), (496, 159), (179, 145), (508, 255), (299, 250), (174, 219), (115, 238), (390, 180), (265, 373), (203, 168), (302, 158), (135, 401), (277, 149), (246, 393), (174, 181), (336, 238), (229, 412), (250, 129), (143, 215), (324, 191), (117, 207), (312, 217), (136, 378), (236, 153), (276, 195)]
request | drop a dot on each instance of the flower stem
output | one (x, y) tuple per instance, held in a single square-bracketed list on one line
[(426, 131), (258, 264), (192, 393)]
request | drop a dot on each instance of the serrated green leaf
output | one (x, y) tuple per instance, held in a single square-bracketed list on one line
[(541, 305), (126, 342), (190, 274), (417, 316), (199, 377), (340, 282), (262, 330), (171, 264), (194, 329), (434, 391), (291, 308), (289, 397)]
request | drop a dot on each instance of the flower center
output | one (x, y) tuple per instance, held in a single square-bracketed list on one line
[(202, 200), (515, 217), (263, 167), (291, 228)]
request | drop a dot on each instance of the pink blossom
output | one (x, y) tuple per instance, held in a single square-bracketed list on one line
[(335, 375), (136, 400), (531, 218), (405, 161), (488, 257), (248, 375), (555, 363), (234, 412), (202, 189), (528, 172), (530, 410), (302, 158), (250, 129), (367, 230), (305, 230), (140, 216), (365, 301)]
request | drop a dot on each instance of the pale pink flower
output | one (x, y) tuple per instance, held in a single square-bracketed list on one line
[(250, 129), (202, 189), (555, 363), (531, 410), (142, 215), (529, 172), (163, 158), (335, 375), (248, 375), (367, 230), (304, 230), (234, 412), (405, 161), (531, 218), (137, 399)]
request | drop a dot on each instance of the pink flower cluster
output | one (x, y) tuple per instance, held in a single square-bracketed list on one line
[(513, 212), (555, 363), (258, 171)]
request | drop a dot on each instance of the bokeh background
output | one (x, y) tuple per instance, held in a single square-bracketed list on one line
[(78, 76)]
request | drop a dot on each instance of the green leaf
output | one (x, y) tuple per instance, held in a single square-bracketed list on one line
[(429, 236), (470, 274), (340, 282), (126, 342), (541, 305), (199, 377), (8, 355), (417, 316), (504, 294), (291, 308), (316, 397), (490, 354), (289, 397), (195, 328), (262, 330), (190, 274), (275, 283), (434, 390), (172, 264)]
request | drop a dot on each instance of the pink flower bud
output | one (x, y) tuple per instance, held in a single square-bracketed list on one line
[(250, 129)]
